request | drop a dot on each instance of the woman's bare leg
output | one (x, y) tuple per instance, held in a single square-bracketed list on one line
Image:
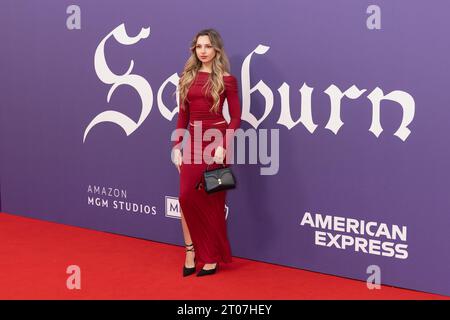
[(189, 262)]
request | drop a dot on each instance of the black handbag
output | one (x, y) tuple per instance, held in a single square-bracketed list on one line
[(217, 179)]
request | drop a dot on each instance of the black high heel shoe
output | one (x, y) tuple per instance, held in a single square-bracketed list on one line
[(189, 271), (209, 272)]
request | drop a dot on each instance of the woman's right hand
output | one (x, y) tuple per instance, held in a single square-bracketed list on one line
[(177, 159)]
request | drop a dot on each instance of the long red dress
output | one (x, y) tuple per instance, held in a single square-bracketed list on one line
[(205, 213)]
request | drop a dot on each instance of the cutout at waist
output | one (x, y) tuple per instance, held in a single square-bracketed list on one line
[(213, 123)]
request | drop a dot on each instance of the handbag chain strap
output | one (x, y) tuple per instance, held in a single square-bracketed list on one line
[(223, 164)]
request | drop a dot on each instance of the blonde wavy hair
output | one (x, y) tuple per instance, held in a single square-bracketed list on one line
[(220, 64)]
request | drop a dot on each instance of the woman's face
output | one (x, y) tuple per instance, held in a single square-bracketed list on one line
[(204, 50)]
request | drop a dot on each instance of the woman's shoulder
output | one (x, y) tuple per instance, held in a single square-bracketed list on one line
[(228, 76), (230, 82)]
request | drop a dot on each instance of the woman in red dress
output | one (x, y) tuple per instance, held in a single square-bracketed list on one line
[(204, 85)]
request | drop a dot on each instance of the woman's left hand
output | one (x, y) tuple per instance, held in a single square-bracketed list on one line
[(219, 155)]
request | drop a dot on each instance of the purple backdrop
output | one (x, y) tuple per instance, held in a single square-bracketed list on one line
[(51, 91)]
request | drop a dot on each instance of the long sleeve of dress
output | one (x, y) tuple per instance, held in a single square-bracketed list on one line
[(182, 122), (234, 108)]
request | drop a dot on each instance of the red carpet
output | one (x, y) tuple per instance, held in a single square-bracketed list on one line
[(35, 255)]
